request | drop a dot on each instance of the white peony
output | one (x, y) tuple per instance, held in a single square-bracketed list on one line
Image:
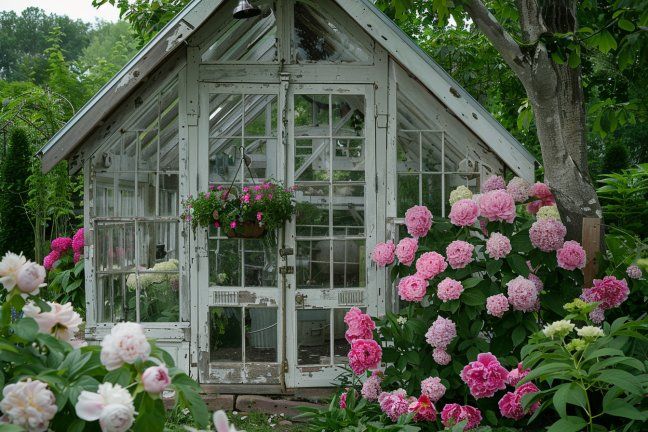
[(29, 404), (222, 423), (462, 192), (9, 268), (590, 332), (558, 328), (31, 277), (125, 344), (112, 405), (61, 321)]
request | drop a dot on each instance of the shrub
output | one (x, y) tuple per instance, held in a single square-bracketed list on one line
[(624, 197)]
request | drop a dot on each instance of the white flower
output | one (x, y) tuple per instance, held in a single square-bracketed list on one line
[(29, 404), (590, 332), (462, 192), (61, 321), (548, 212), (125, 344), (222, 423), (401, 320), (9, 268), (558, 328), (112, 405), (31, 277), (155, 379)]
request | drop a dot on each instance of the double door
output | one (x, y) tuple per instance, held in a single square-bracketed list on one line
[(270, 310)]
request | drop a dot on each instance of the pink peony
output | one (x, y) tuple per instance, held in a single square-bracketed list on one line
[(519, 189), (365, 354), (511, 403), (497, 305), (464, 213), (497, 205), (412, 288), (493, 183), (126, 343), (359, 325), (449, 289), (498, 246), (418, 221), (29, 405), (371, 387), (61, 321), (536, 281), (534, 206), (50, 259), (30, 278), (343, 398), (516, 375), (423, 408), (522, 294), (459, 254), (430, 265), (609, 292), (394, 404), (547, 234), (441, 356), (634, 272), (441, 333), (571, 256), (77, 257), (383, 253), (61, 244), (155, 379), (455, 413), (541, 191), (78, 241), (432, 388), (484, 376), (406, 250)]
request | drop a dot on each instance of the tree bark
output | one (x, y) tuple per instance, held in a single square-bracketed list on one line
[(556, 95)]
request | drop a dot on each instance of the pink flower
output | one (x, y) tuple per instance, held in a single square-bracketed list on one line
[(371, 387), (484, 376), (464, 213), (246, 189), (497, 205), (418, 221), (412, 288), (112, 405), (233, 224), (433, 388), (383, 253), (360, 325), (430, 264), (571, 256), (126, 343), (245, 198), (519, 189), (258, 197), (449, 289), (423, 408), (28, 405), (536, 281), (634, 272), (78, 241), (455, 413), (155, 379), (497, 305), (259, 216), (406, 250), (365, 354), (61, 321), (50, 259), (394, 404), (30, 278), (459, 254), (597, 315), (441, 356), (547, 234), (493, 183), (343, 398), (609, 292), (522, 294), (77, 257), (516, 375), (498, 246), (61, 244), (441, 333), (511, 403), (541, 191)]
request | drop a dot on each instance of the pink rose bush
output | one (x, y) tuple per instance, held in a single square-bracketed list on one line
[(498, 246), (459, 254), (485, 376), (418, 221), (29, 404), (441, 333), (394, 404), (433, 388), (522, 294), (497, 305), (155, 379), (510, 405), (365, 354), (371, 387), (634, 272), (516, 375), (453, 414), (423, 409), (547, 234), (519, 189), (608, 292), (359, 325), (492, 183), (18, 273)]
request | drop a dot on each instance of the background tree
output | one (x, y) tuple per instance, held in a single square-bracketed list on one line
[(14, 171)]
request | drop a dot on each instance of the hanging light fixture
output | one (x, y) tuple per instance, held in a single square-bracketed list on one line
[(246, 10)]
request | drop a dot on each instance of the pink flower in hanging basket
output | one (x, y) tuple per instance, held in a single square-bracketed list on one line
[(233, 224), (259, 216)]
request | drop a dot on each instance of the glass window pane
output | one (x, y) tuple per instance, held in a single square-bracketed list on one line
[(313, 337), (340, 345), (312, 159), (312, 217), (225, 334), (261, 335), (261, 115), (225, 262), (431, 143), (348, 115), (117, 297), (348, 163), (159, 293), (313, 265), (115, 246), (146, 199), (125, 157), (104, 197), (168, 194), (224, 160), (260, 262), (408, 192), (349, 264), (225, 115), (263, 159), (348, 210), (319, 36), (158, 243), (432, 198), (312, 115), (407, 152)]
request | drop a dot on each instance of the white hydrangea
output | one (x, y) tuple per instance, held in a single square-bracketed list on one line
[(548, 212), (462, 192), (29, 404), (558, 328), (125, 344), (590, 332)]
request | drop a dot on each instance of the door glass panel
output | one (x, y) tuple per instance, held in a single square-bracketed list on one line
[(311, 115), (225, 334), (313, 337), (313, 264), (312, 210), (312, 159), (261, 335), (349, 264), (225, 262), (340, 345), (348, 115), (348, 210)]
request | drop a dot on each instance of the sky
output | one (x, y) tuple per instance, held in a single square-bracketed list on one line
[(75, 9)]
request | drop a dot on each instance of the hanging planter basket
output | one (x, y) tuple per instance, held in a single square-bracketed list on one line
[(247, 230)]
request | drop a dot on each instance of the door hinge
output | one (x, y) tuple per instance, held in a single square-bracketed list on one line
[(284, 366), (285, 270), (284, 252)]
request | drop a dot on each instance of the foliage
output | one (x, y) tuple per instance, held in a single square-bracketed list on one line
[(67, 281), (624, 197), (600, 377), (14, 194)]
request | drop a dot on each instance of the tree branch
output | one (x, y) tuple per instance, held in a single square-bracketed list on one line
[(531, 21), (499, 37)]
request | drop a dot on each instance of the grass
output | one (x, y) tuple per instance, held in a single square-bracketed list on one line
[(249, 422)]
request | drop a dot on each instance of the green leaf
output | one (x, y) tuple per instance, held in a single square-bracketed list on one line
[(518, 264), (187, 395), (473, 297), (470, 282), (493, 266), (568, 393), (568, 424), (150, 415), (119, 376), (544, 371), (26, 329), (626, 25), (519, 335), (621, 378), (621, 408)]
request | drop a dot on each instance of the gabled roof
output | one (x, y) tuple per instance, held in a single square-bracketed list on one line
[(364, 12)]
